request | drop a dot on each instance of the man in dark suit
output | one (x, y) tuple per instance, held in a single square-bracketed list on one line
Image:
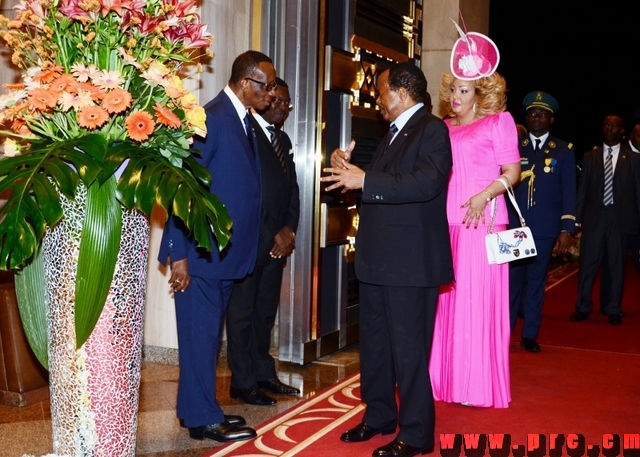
[(255, 298), (403, 255), (546, 197), (634, 240), (203, 281), (608, 215)]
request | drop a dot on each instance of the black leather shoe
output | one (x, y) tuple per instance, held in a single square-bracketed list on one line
[(397, 448), (364, 432), (276, 386), (578, 317), (233, 420), (222, 432), (530, 345), (615, 319), (253, 396), (604, 313)]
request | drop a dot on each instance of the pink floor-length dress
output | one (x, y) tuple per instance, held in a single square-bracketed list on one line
[(470, 356)]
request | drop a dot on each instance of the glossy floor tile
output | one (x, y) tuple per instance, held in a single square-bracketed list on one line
[(27, 430)]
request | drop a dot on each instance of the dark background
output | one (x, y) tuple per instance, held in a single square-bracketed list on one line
[(587, 56)]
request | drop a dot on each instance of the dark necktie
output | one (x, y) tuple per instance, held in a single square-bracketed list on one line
[(249, 131), (277, 146), (392, 131), (537, 146), (608, 179)]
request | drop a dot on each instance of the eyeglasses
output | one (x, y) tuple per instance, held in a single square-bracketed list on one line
[(265, 86), (284, 103)]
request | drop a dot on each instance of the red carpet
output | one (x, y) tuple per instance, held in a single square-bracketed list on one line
[(583, 386), (595, 333)]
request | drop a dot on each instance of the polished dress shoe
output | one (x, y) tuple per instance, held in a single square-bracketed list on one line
[(233, 420), (615, 319), (276, 386), (223, 432), (578, 317), (398, 448), (530, 345), (252, 396), (364, 432), (604, 313)]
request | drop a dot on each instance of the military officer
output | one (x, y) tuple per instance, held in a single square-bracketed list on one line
[(547, 199)]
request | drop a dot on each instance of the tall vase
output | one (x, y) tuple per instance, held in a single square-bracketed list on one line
[(95, 389)]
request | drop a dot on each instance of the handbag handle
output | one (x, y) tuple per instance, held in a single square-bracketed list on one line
[(512, 197)]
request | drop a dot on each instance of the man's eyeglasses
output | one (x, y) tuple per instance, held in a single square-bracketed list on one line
[(284, 103), (265, 86)]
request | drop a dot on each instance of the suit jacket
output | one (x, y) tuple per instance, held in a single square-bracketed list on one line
[(547, 191), (626, 190), (280, 193), (403, 234), (235, 179)]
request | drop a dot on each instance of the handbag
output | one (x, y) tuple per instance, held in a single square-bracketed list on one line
[(508, 245)]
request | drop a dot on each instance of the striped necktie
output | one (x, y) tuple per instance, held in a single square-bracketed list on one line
[(608, 179), (277, 146)]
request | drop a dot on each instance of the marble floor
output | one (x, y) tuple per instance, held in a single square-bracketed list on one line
[(27, 430)]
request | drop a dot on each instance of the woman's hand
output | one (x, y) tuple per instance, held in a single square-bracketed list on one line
[(475, 209)]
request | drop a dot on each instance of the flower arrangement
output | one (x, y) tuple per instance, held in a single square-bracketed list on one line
[(102, 103), (107, 67)]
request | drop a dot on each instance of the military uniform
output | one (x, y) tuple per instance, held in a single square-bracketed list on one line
[(546, 196)]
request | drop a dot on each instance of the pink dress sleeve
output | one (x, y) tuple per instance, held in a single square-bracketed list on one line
[(505, 138)]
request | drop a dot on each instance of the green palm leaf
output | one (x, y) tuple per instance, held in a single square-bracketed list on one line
[(32, 307), (98, 253), (151, 179), (33, 202)]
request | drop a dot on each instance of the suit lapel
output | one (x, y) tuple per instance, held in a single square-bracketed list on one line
[(239, 132), (384, 157)]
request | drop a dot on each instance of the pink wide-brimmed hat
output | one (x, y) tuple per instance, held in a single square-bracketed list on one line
[(473, 56)]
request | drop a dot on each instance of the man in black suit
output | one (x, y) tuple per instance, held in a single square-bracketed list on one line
[(255, 298), (608, 215), (634, 240), (203, 281), (403, 255)]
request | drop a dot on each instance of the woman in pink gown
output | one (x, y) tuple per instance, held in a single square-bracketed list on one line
[(470, 356)]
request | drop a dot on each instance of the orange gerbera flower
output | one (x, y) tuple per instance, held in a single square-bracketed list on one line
[(166, 117), (140, 125), (18, 125), (95, 91), (92, 117), (16, 111), (65, 82), (49, 74), (116, 101), (42, 99)]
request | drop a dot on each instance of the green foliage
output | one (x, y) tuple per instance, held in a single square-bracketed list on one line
[(32, 307), (98, 253), (33, 180)]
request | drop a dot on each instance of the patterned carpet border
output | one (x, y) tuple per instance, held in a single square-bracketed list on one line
[(296, 429)]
